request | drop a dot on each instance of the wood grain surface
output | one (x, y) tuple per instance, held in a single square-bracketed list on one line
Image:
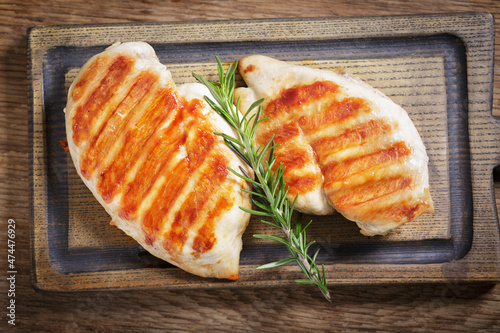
[(393, 308), (425, 73)]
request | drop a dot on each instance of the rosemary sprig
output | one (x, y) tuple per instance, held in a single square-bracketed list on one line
[(269, 191)]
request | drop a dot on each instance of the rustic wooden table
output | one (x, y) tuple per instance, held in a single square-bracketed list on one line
[(423, 308)]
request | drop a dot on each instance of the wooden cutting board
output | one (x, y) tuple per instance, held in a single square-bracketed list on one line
[(439, 68)]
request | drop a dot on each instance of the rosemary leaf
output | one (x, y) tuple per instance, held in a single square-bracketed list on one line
[(256, 212), (279, 239), (277, 263)]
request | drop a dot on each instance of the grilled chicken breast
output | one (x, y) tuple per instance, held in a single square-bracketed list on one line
[(147, 151), (345, 145)]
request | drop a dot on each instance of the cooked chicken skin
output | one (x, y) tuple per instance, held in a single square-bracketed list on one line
[(147, 151), (345, 145)]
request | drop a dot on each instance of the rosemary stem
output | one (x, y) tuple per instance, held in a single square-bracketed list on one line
[(269, 187), (306, 264), (286, 230)]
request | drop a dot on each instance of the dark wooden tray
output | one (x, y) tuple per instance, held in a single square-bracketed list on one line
[(439, 68)]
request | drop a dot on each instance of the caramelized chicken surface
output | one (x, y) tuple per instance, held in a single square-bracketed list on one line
[(147, 151), (345, 145)]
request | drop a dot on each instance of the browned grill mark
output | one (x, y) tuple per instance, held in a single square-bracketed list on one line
[(192, 209), (402, 210), (405, 211), (198, 147), (291, 99), (283, 134), (161, 151), (136, 137), (335, 112), (351, 137), (205, 238), (371, 191), (86, 114), (248, 69), (302, 184), (340, 171), (295, 157), (163, 148), (118, 119), (154, 217), (88, 77)]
